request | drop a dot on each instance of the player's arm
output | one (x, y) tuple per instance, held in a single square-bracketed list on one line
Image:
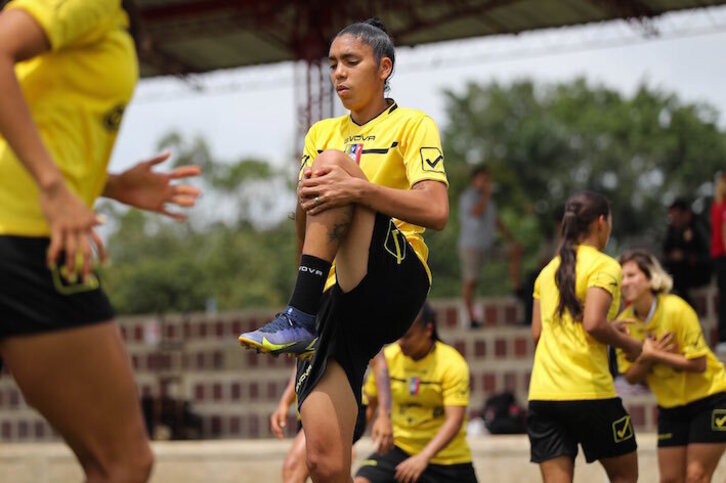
[(664, 351), (300, 223), (411, 468), (596, 323), (536, 321), (382, 431), (425, 204), (70, 221), (278, 419)]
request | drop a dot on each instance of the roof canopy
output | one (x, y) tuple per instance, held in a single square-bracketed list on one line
[(188, 36)]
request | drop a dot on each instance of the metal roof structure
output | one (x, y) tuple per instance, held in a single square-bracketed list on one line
[(194, 36)]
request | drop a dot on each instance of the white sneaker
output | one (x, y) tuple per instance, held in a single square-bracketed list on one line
[(720, 348)]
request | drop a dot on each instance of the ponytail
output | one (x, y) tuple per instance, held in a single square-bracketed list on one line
[(581, 211)]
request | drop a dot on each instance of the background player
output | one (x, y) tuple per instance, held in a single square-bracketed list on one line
[(430, 389), (571, 394), (687, 380), (371, 181), (67, 70)]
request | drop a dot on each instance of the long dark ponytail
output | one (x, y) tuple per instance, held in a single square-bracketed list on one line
[(581, 211)]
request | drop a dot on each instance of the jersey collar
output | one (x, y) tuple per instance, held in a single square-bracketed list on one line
[(392, 106)]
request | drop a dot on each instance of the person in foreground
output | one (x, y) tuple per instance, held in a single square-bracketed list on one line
[(67, 70), (430, 391), (688, 381), (371, 182), (572, 399)]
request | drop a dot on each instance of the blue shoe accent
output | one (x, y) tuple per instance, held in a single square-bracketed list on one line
[(290, 332)]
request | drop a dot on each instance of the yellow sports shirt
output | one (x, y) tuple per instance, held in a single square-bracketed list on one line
[(420, 390), (77, 93), (396, 149), (670, 386), (569, 364)]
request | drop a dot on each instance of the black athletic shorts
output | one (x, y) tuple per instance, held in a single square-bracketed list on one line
[(35, 299), (353, 326), (382, 469), (701, 421), (601, 426)]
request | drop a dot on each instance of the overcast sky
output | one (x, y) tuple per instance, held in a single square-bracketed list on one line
[(251, 112)]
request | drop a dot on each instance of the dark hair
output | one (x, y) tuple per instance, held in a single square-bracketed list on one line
[(581, 210), (479, 169), (134, 23), (372, 32), (680, 204), (427, 316), (3, 3)]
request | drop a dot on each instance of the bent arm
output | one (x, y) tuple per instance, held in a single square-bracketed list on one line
[(679, 361), (452, 425), (596, 323), (425, 204), (22, 38), (536, 321)]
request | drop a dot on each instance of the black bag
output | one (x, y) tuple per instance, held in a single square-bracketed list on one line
[(504, 415)]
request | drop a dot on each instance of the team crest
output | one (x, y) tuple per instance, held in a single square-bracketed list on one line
[(355, 151), (414, 385)]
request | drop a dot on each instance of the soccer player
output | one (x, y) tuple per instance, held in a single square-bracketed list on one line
[(371, 181), (67, 70), (571, 394), (430, 389), (687, 380)]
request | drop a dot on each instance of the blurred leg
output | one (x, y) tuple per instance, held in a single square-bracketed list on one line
[(622, 469), (672, 464), (294, 469), (701, 461), (81, 381), (557, 470)]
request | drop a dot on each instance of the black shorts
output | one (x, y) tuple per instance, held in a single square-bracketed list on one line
[(381, 469), (701, 421), (36, 299), (353, 326), (601, 426)]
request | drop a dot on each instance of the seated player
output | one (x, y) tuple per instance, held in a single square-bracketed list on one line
[(430, 391)]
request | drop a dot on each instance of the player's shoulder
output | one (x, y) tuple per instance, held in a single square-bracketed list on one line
[(449, 355), (597, 260), (414, 115), (327, 125), (671, 302), (391, 351)]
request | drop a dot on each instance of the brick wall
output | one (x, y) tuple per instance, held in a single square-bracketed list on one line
[(196, 357)]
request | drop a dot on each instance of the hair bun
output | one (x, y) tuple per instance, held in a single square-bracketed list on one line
[(377, 23)]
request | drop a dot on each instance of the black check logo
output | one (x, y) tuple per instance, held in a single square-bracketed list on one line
[(432, 159)]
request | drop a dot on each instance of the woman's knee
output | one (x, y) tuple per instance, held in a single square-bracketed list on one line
[(333, 157), (696, 473), (324, 466), (133, 464)]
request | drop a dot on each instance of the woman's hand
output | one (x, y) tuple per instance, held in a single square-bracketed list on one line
[(143, 188), (382, 434), (71, 229), (410, 469), (278, 421), (326, 188)]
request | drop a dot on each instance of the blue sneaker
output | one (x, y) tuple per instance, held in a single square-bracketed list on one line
[(290, 332)]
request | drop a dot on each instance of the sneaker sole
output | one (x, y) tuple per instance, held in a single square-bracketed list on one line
[(250, 344)]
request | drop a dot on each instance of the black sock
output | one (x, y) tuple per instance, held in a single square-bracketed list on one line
[(311, 277)]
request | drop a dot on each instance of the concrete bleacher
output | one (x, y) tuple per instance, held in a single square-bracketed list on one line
[(197, 358)]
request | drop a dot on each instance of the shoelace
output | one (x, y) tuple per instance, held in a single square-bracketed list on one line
[(282, 321)]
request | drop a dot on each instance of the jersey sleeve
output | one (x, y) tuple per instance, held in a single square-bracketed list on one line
[(537, 283), (607, 275), (690, 336), (623, 363), (456, 383), (309, 151), (65, 22), (423, 155)]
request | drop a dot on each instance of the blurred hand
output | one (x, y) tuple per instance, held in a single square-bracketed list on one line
[(278, 421), (145, 189), (325, 188), (71, 230), (666, 343), (382, 434), (410, 469)]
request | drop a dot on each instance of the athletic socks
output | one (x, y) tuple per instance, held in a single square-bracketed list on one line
[(311, 277)]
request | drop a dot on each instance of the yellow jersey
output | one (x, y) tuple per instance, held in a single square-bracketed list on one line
[(397, 149), (569, 364), (419, 391), (672, 387), (76, 93)]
